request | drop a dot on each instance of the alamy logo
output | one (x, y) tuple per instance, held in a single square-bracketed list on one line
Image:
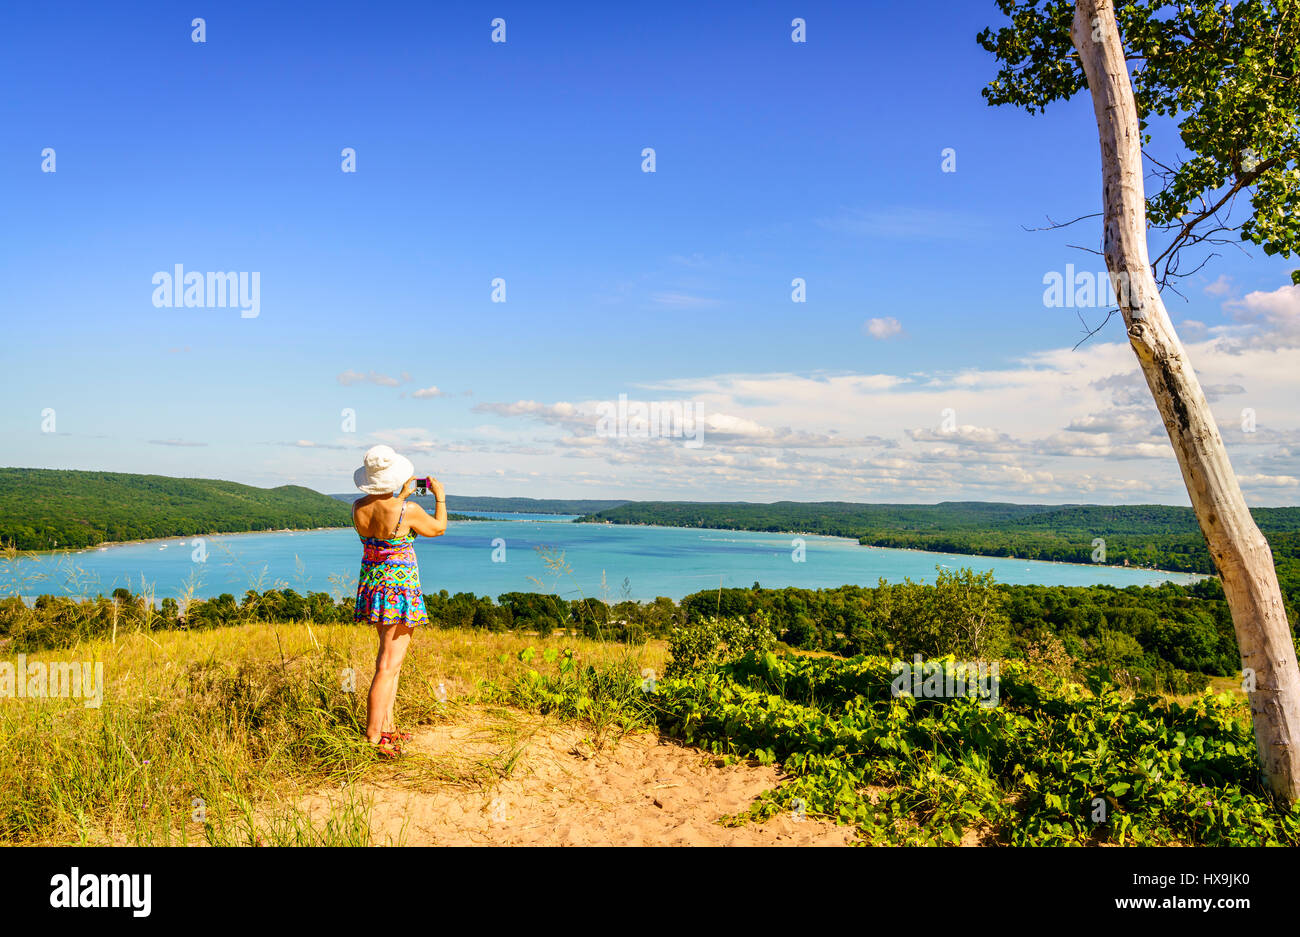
[(102, 891), (638, 419), (211, 290), (55, 680), (1085, 289), (941, 679)]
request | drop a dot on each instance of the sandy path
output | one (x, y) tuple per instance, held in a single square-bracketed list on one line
[(642, 791)]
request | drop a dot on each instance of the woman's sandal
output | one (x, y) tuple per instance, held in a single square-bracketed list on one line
[(387, 746), (398, 733)]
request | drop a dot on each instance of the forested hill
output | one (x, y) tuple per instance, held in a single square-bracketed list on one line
[(530, 505), (514, 505), (834, 518), (850, 519), (1141, 534), (43, 509)]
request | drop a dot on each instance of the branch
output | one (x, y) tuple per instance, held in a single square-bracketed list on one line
[(1091, 332), (1240, 183), (1053, 225)]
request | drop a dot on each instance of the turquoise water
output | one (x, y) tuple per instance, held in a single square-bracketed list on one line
[(636, 562), (519, 516)]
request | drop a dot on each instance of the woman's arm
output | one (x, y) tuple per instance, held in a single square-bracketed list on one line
[(419, 519)]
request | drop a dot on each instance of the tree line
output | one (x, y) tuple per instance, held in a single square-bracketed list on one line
[(1147, 535), (1170, 637), (45, 509)]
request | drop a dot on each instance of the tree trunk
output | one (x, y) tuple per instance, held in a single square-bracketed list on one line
[(1240, 552)]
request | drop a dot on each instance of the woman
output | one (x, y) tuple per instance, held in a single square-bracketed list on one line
[(388, 589)]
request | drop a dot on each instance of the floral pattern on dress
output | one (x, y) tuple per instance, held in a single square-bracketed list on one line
[(388, 589)]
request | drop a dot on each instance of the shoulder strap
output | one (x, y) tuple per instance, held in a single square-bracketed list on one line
[(401, 514)]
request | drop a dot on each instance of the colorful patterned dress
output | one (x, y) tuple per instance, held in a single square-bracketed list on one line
[(388, 589)]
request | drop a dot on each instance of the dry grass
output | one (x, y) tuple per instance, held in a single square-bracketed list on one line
[(215, 736)]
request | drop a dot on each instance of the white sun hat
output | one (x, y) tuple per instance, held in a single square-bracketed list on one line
[(383, 471)]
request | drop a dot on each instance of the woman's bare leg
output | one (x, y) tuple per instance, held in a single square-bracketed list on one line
[(390, 724), (393, 642)]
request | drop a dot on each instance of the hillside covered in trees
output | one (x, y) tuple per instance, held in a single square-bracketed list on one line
[(1155, 535), (1149, 639), (42, 509), (514, 505), (924, 522)]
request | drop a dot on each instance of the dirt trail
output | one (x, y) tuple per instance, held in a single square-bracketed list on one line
[(642, 791)]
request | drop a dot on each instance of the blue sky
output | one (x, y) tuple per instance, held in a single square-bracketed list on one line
[(522, 160)]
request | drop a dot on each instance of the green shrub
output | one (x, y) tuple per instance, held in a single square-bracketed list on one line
[(710, 641), (1049, 765)]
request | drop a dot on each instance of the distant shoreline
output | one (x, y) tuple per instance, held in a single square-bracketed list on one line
[(177, 537), (225, 533), (872, 546), (1025, 559), (186, 538)]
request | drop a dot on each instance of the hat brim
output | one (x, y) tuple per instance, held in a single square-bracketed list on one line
[(385, 481)]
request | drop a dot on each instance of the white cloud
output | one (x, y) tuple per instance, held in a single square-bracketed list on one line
[(1281, 304), (683, 300), (1055, 425), (561, 413), (981, 438), (348, 378), (1215, 392), (1114, 422), (1270, 319), (309, 444), (881, 329), (1220, 287), (1269, 481)]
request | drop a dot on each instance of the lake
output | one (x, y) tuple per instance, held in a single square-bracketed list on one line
[(489, 557)]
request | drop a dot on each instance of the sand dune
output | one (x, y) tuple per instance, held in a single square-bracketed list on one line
[(641, 791)]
